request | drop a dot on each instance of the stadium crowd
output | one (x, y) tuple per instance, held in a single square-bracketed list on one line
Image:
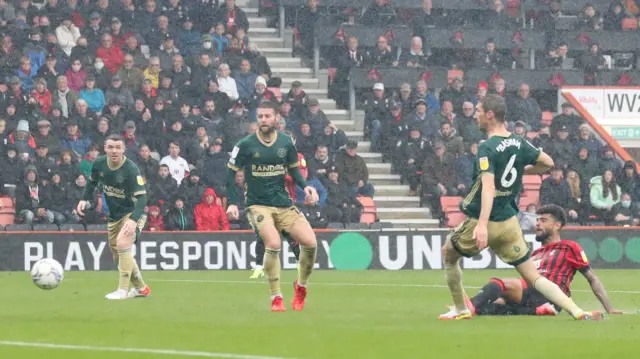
[(181, 80)]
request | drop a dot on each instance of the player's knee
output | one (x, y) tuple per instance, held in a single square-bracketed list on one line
[(447, 255), (123, 245)]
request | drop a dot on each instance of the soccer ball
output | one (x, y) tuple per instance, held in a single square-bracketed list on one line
[(47, 273)]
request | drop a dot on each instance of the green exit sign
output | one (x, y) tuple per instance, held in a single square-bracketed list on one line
[(625, 132)]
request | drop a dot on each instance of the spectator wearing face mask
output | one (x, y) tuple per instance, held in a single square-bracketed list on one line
[(101, 74), (625, 214)]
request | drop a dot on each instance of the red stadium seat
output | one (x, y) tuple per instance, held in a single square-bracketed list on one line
[(547, 117), (450, 203), (529, 197), (532, 134), (276, 91), (366, 201), (531, 182), (368, 218), (629, 23), (544, 177), (454, 219), (332, 74), (7, 218)]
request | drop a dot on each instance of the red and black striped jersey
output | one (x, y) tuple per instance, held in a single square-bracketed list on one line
[(558, 262)]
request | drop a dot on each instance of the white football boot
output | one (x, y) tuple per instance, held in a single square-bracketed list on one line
[(118, 295)]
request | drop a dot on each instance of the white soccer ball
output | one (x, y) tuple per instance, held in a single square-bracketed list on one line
[(47, 273)]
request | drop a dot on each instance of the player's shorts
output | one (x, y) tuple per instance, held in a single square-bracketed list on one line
[(114, 228), (531, 298), (283, 218), (505, 239)]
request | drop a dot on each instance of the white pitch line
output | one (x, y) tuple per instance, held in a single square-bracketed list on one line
[(359, 284), (169, 352)]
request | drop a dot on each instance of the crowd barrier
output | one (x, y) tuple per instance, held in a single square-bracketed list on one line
[(610, 248)]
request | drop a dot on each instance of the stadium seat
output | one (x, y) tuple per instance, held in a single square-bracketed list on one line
[(7, 203), (276, 91), (454, 219), (335, 225), (332, 74), (96, 227), (532, 134), (531, 182), (17, 227), (366, 201), (357, 226), (528, 197), (72, 228), (380, 225), (450, 203), (629, 23), (545, 176), (7, 218), (234, 226), (368, 218), (547, 117), (46, 227)]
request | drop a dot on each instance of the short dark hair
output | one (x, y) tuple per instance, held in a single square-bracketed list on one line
[(555, 211), (163, 165), (114, 137), (174, 142), (495, 104), (270, 104)]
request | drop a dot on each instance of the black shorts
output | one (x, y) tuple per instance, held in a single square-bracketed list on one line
[(531, 298)]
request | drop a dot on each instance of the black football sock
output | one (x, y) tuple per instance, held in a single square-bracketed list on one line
[(488, 294), (259, 252), (508, 309)]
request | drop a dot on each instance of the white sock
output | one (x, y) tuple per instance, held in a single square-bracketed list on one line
[(259, 267)]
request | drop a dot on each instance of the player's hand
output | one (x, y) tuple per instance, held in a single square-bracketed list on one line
[(129, 227), (232, 212), (615, 311), (80, 208), (480, 236), (311, 196)]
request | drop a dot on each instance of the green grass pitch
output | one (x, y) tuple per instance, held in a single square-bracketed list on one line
[(364, 314)]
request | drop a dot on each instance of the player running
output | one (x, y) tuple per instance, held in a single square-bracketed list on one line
[(266, 156), (491, 211), (126, 198), (258, 271), (557, 260)]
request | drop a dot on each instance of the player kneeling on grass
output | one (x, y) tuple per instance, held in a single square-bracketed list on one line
[(126, 198), (491, 211), (266, 157), (557, 260)]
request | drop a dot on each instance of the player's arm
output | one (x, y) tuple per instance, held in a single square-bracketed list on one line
[(139, 193), (236, 162), (539, 162), (487, 179), (89, 193), (294, 166), (598, 290)]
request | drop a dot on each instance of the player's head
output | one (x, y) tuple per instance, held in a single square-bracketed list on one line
[(491, 110), (114, 147), (551, 219), (268, 115)]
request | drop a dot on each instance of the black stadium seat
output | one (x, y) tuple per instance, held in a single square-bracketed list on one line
[(17, 227), (335, 225), (96, 227), (380, 225), (72, 228), (45, 227), (357, 225)]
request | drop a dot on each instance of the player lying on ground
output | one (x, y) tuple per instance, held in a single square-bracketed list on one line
[(266, 156), (126, 197), (491, 211), (557, 260)]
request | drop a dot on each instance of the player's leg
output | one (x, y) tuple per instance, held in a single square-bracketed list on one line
[(261, 219), (140, 288), (295, 248), (292, 221), (458, 244), (122, 245), (507, 241), (258, 271)]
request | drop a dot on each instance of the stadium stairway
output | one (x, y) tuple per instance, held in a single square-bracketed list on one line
[(394, 205)]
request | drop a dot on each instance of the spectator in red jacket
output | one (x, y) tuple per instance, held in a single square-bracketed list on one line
[(112, 56), (155, 221), (208, 215), (42, 95)]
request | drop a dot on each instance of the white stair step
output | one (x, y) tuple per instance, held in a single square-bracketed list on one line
[(267, 41), (250, 10), (317, 93), (371, 157), (357, 135), (395, 201), (382, 178), (307, 82), (366, 146), (274, 50), (414, 223), (391, 190), (346, 125), (257, 21), (261, 33), (291, 70), (387, 213), (289, 61)]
